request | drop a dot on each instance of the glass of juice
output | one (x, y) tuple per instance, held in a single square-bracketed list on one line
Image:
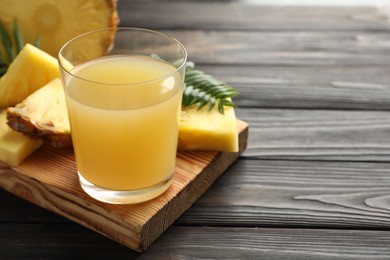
[(123, 89)]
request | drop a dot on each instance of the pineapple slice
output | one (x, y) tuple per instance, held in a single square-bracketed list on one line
[(57, 21), (31, 69), (204, 130), (14, 146), (44, 115)]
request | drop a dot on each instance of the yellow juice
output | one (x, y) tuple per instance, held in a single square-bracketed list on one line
[(125, 132)]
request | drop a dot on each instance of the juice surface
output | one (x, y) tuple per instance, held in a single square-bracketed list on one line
[(125, 132)]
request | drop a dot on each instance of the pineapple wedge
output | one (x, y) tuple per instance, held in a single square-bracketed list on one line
[(31, 69), (57, 21), (44, 115), (204, 130), (14, 146)]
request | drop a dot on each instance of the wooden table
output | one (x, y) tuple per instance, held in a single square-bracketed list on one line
[(314, 182)]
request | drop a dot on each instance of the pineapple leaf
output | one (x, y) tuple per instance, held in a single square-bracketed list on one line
[(203, 89), (37, 41), (7, 43), (18, 37), (3, 69), (12, 45)]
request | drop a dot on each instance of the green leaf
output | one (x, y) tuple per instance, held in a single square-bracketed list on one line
[(12, 43), (3, 69), (203, 89), (37, 41), (7, 43), (190, 65), (187, 94), (2, 61), (212, 102), (204, 101), (18, 38)]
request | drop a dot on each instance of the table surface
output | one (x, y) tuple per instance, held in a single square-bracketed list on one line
[(314, 182)]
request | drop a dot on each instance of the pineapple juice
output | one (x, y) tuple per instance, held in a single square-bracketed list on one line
[(125, 132)]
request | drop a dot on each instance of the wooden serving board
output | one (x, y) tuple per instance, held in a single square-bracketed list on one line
[(48, 179)]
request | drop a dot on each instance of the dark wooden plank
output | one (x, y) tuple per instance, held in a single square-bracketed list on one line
[(260, 243), (306, 48), (57, 241), (333, 87), (30, 232), (246, 15), (352, 195), (336, 195), (17, 210), (68, 242), (317, 134)]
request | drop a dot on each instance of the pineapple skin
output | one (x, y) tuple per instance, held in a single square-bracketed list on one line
[(31, 69), (43, 115), (204, 130), (14, 146)]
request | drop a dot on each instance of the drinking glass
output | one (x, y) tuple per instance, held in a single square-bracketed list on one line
[(123, 88)]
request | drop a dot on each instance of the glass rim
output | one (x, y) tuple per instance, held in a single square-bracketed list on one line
[(182, 64)]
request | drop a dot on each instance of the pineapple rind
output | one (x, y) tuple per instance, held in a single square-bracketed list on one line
[(44, 115), (14, 146), (204, 130), (30, 70)]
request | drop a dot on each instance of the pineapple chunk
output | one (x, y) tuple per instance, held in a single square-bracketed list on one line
[(14, 146), (44, 115), (57, 21), (31, 69), (204, 130)]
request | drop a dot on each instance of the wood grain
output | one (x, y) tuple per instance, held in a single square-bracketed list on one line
[(317, 134), (48, 178), (260, 243), (305, 194), (285, 48), (58, 242), (329, 87), (247, 34), (247, 15)]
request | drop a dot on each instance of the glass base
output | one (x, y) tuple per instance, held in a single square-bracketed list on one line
[(124, 197)]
